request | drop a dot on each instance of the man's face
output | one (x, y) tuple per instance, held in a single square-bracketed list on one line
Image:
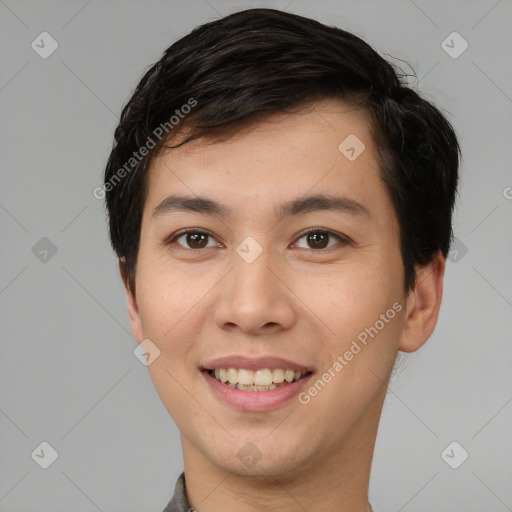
[(257, 286)]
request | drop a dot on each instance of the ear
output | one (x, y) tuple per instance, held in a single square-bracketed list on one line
[(422, 305), (133, 310)]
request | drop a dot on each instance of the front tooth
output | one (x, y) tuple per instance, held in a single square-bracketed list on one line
[(232, 375), (288, 375), (245, 377), (278, 376), (263, 377)]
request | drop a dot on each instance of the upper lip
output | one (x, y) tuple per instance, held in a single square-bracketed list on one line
[(255, 363)]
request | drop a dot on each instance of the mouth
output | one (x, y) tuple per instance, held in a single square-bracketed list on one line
[(251, 383), (264, 379), (253, 397)]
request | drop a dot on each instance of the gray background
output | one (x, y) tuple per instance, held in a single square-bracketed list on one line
[(67, 371)]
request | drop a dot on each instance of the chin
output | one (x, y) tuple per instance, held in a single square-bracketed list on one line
[(259, 462)]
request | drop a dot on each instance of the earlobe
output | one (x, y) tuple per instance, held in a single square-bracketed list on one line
[(131, 302), (423, 303)]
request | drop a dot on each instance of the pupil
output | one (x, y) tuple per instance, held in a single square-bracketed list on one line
[(318, 240)]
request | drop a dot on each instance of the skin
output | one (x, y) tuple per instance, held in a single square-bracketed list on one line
[(295, 301)]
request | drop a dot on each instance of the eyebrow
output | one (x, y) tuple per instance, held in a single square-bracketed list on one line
[(301, 205)]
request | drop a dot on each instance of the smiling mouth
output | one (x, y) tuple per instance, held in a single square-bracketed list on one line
[(259, 380)]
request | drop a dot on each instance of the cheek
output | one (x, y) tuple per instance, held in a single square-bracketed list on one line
[(348, 299), (174, 307), (162, 302), (359, 357), (161, 295)]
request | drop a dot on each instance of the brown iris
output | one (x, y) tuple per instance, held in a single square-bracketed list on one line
[(318, 240), (197, 240)]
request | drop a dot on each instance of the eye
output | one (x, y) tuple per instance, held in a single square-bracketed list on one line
[(320, 239), (316, 239), (194, 239)]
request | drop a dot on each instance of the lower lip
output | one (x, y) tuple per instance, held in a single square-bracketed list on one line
[(255, 401)]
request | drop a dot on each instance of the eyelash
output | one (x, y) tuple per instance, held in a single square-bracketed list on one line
[(343, 239)]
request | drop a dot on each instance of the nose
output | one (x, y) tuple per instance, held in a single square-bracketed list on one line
[(255, 298)]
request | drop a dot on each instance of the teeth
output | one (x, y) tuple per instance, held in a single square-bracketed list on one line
[(252, 380), (263, 377), (278, 375), (252, 388), (232, 375), (246, 377)]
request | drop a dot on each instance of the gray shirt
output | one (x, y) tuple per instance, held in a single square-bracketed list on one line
[(179, 501)]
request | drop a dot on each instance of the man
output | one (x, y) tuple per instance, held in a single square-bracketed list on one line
[(281, 207)]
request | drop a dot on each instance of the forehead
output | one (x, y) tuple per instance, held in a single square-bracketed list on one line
[(320, 149), (317, 124)]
